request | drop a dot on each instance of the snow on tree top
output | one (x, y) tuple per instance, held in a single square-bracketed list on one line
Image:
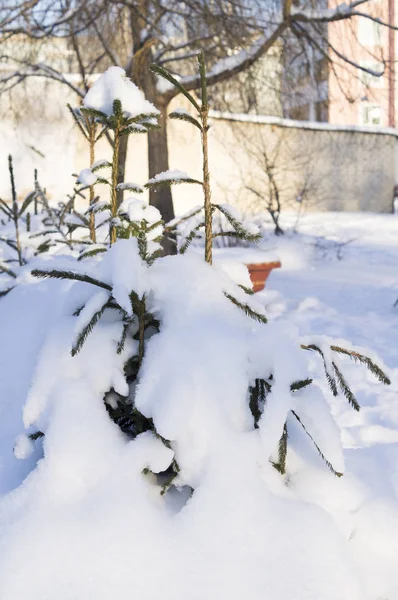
[(114, 85)]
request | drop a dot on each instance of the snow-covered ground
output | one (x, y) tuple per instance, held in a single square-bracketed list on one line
[(86, 525), (340, 278)]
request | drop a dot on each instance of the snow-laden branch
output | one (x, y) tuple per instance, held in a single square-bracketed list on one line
[(36, 70), (232, 65)]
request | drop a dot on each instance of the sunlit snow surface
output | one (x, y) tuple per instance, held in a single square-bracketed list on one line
[(87, 524)]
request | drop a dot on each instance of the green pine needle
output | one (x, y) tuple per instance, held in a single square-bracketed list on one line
[(247, 290), (329, 377), (75, 114), (282, 451), (167, 75), (239, 230), (85, 332), (299, 385), (247, 309), (153, 185), (58, 274), (345, 388), (328, 464), (122, 341), (89, 253), (365, 360), (185, 117), (36, 435), (190, 238), (203, 81)]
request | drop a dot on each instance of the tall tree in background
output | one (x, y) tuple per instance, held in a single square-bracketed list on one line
[(134, 33)]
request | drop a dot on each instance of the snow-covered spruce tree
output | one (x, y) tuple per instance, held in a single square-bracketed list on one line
[(163, 409), (25, 230), (116, 105), (124, 286), (260, 388)]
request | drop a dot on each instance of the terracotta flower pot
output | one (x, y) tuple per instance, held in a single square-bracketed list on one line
[(259, 273)]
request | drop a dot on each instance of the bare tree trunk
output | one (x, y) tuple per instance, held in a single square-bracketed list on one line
[(158, 161), (158, 155), (122, 166)]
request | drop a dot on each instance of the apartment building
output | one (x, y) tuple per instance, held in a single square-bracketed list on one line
[(320, 85)]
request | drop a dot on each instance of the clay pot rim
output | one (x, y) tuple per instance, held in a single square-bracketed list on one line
[(265, 265)]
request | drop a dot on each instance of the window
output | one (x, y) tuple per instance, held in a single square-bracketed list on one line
[(371, 114), (369, 32), (299, 113), (322, 69), (322, 111), (371, 80)]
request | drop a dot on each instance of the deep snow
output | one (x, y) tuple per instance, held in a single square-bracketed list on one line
[(86, 524)]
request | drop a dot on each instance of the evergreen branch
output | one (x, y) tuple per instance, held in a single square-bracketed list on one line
[(5, 292), (160, 183), (98, 207), (345, 388), (154, 256), (299, 385), (258, 396), (330, 379), (28, 200), (5, 208), (182, 116), (240, 231), (89, 253), (85, 332), (328, 464), (150, 126), (167, 75), (174, 224), (247, 309), (282, 451), (5, 269), (58, 274), (365, 360), (130, 187), (77, 120), (10, 243), (43, 247), (190, 238), (102, 165), (246, 289), (83, 219), (203, 81), (41, 233), (122, 341), (101, 133), (155, 225), (36, 435), (141, 117), (134, 129), (96, 114)]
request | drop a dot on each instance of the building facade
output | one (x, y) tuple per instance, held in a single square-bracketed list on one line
[(321, 86)]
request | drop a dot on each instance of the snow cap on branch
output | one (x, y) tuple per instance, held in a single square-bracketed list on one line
[(114, 85), (138, 210)]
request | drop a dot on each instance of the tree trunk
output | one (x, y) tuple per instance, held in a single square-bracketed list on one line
[(158, 157), (158, 161), (122, 166)]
